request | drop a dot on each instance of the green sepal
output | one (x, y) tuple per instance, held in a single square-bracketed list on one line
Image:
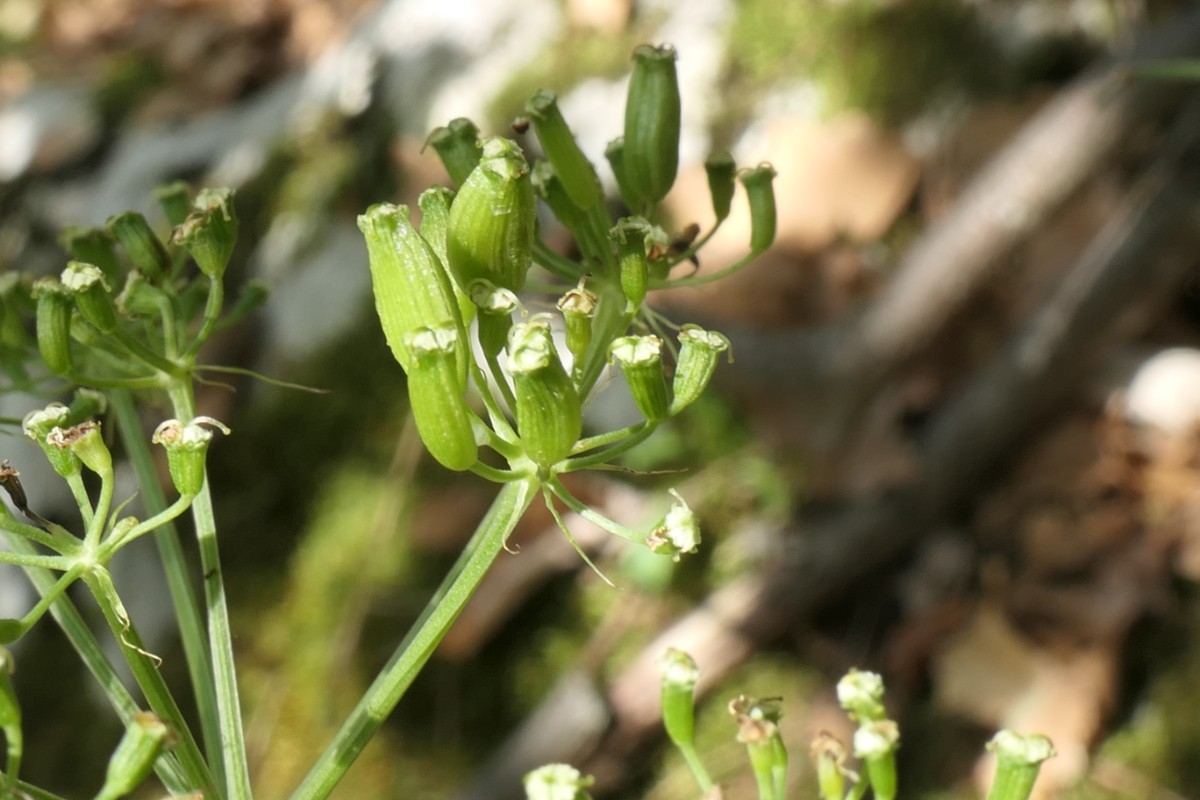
[(457, 145), (640, 360), (652, 124), (761, 195), (94, 246), (54, 307), (145, 250), (493, 219), (210, 232), (549, 413), (411, 286), (133, 760), (436, 398), (699, 352), (721, 171), (576, 172), (92, 296)]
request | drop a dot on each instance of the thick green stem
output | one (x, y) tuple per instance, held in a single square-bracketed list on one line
[(220, 636), (144, 667), (419, 644), (179, 584)]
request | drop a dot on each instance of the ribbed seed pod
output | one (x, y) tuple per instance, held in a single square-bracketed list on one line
[(435, 203), (614, 152), (548, 187), (699, 351), (761, 195), (54, 307), (578, 307), (493, 219), (631, 235), (133, 760), (175, 199), (92, 297), (411, 286), (577, 174), (436, 397), (496, 307), (94, 246), (457, 145), (721, 170), (549, 415), (210, 231), (640, 360), (652, 121), (140, 242)]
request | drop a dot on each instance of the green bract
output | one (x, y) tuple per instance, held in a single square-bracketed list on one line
[(493, 220), (412, 289)]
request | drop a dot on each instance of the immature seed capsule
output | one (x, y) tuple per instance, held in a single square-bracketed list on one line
[(210, 231), (680, 674), (133, 760), (175, 199), (38, 425), (86, 443), (548, 187), (411, 286), (577, 174), (699, 351), (435, 203), (614, 152), (187, 448), (631, 235), (457, 145), (721, 171), (762, 206), (578, 307), (92, 297), (875, 743), (54, 307), (140, 242), (549, 414), (493, 219), (436, 397), (652, 122), (640, 359), (93, 246), (496, 307)]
